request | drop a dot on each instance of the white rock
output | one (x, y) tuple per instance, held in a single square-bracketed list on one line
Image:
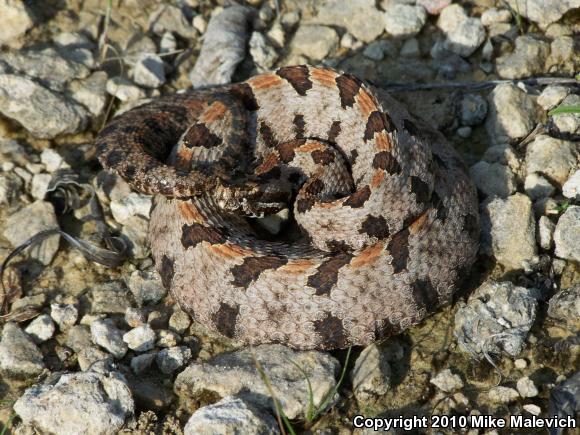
[(526, 387), (262, 52), (537, 187), (27, 222), (52, 160), (552, 157), (124, 90), (134, 204), (493, 179), (404, 20), (231, 415), (502, 395), (19, 356), (463, 34), (546, 232), (199, 23), (520, 363), (91, 92), (567, 234), (541, 11), (568, 123), (314, 42), (235, 374), (371, 375), (532, 409), (509, 230), (571, 188), (512, 114), (56, 115), (493, 15), (41, 329), (168, 43), (360, 18), (140, 339), (65, 315), (109, 337), (447, 381), (551, 96), (16, 20), (149, 71), (170, 18), (77, 403), (39, 185), (526, 60)]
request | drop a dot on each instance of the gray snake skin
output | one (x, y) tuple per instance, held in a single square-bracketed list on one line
[(384, 220)]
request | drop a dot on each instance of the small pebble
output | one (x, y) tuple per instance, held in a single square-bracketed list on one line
[(167, 338), (109, 337), (447, 381), (140, 339), (172, 359), (532, 409), (526, 387), (503, 395), (520, 363), (65, 315), (179, 321), (135, 317), (41, 329), (571, 188)]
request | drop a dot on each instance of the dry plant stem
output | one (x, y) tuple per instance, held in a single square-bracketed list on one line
[(475, 86)]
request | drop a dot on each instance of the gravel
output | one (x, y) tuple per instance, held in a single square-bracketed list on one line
[(235, 374), (509, 230), (526, 60), (447, 381), (543, 12), (472, 109), (314, 41), (371, 374), (262, 52), (172, 359), (41, 328), (546, 232), (17, 19), (30, 220), (538, 187), (231, 415), (77, 403), (526, 387), (503, 395), (496, 319), (146, 287), (44, 113), (463, 33), (105, 334), (149, 71), (512, 114), (493, 179), (224, 47), (571, 189), (404, 20), (65, 315), (551, 96), (19, 356), (361, 18), (552, 157), (140, 339), (567, 234)]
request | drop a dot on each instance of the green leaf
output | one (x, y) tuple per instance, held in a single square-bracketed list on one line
[(564, 109)]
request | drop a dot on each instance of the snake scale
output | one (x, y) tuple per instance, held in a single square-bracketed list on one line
[(384, 222)]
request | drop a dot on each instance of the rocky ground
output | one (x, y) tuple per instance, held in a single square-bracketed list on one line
[(90, 349)]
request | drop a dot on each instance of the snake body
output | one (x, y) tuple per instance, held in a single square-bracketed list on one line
[(384, 222)]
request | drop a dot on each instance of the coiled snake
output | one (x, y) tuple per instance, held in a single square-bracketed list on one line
[(384, 220)]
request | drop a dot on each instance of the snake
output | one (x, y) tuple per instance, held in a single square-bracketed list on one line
[(378, 219)]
